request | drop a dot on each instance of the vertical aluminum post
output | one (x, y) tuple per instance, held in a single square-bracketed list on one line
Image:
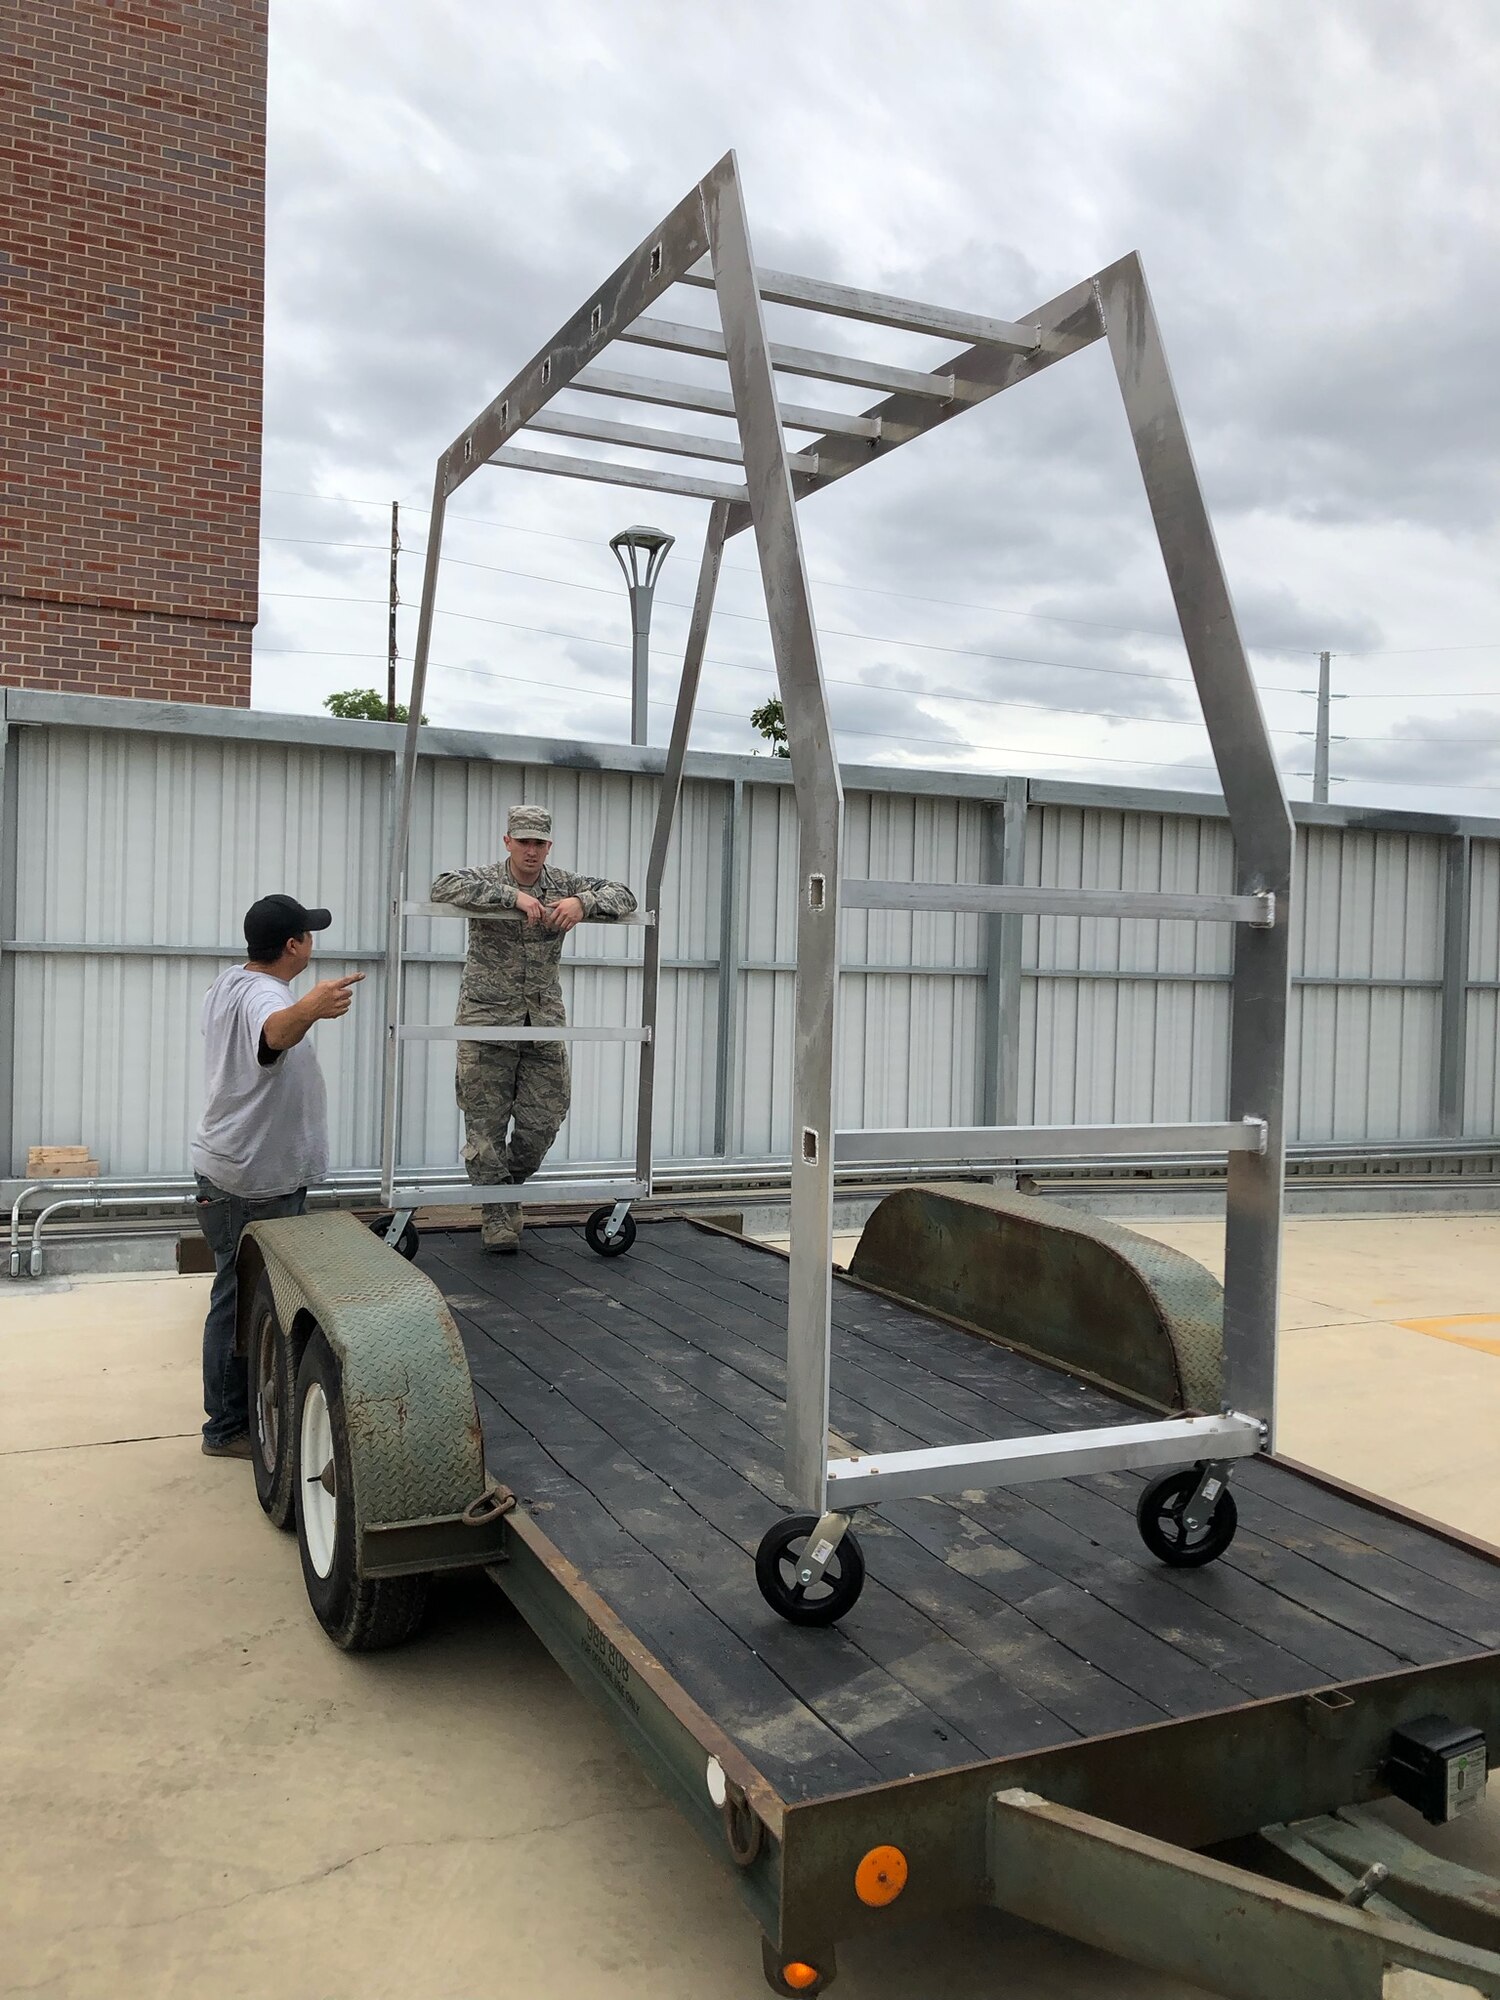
[(666, 813), (640, 662), (640, 553), (1454, 1025), (1005, 862), (1259, 819), (820, 816), (406, 771), (727, 1040)]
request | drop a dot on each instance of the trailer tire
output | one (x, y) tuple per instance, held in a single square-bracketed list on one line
[(1158, 1515), (360, 1614), (272, 1385)]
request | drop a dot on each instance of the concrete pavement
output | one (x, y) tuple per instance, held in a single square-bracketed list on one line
[(201, 1796)]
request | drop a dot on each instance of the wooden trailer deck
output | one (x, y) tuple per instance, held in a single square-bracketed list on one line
[(634, 1405)]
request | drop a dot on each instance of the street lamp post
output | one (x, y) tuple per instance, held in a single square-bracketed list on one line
[(640, 553)]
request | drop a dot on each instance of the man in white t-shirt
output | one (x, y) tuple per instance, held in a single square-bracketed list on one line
[(263, 1138)]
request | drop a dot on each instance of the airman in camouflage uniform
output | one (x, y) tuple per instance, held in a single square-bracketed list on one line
[(514, 1095)]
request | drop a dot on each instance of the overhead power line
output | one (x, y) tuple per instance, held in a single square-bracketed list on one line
[(834, 680), (885, 640), (879, 638), (738, 569)]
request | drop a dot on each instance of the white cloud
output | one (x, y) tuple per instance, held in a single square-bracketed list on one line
[(1312, 192)]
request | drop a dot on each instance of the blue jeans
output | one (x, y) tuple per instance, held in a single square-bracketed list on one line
[(222, 1218)]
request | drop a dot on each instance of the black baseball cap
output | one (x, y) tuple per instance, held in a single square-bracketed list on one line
[(274, 919)]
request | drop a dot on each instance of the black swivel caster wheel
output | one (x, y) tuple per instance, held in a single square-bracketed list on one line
[(407, 1243), (820, 1603), (605, 1245), (1159, 1513)]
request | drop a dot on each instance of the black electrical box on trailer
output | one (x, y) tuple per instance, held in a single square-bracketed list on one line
[(1438, 1766)]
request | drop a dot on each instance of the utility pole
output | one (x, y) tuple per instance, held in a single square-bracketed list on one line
[(390, 660), (1320, 739), (640, 552)]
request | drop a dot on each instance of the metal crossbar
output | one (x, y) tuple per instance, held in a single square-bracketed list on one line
[(609, 474), (529, 1194), (443, 1033), (902, 1475), (781, 288), (795, 360), (718, 403), (456, 910), (679, 444), (705, 241), (1024, 901), (1003, 1143)]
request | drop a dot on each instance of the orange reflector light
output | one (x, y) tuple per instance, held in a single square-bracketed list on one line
[(801, 1978), (880, 1877)]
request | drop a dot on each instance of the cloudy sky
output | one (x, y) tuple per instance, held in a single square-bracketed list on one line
[(1313, 191)]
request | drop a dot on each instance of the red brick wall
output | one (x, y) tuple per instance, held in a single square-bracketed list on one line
[(132, 147)]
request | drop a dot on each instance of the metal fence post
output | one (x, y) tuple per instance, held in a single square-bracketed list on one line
[(1005, 862), (9, 836), (1453, 1042), (726, 1051)]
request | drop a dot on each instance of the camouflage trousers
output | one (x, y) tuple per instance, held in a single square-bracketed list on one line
[(513, 1095)]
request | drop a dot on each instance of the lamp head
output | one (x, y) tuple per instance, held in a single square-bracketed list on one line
[(640, 553)]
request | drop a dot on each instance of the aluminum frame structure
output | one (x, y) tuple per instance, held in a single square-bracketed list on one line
[(705, 242)]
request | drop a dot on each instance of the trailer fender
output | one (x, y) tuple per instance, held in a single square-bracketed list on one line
[(1074, 1289), (415, 1443)]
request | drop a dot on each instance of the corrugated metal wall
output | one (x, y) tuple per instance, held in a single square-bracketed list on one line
[(1130, 1019), (1482, 1022), (1127, 1019), (137, 850)]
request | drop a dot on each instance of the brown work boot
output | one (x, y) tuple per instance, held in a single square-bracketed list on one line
[(237, 1446)]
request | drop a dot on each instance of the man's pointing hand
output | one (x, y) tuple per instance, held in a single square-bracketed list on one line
[(332, 997)]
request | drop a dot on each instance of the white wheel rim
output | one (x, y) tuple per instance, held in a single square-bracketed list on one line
[(320, 1499)]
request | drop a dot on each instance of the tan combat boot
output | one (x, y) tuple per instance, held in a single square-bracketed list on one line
[(500, 1230)]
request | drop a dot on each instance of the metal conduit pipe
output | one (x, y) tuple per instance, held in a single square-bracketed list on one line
[(367, 1192), (107, 1193)]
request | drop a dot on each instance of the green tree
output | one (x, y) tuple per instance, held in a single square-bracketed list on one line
[(363, 705), (770, 720)]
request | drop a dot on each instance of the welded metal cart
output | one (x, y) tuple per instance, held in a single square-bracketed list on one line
[(808, 1567), (1025, 1710)]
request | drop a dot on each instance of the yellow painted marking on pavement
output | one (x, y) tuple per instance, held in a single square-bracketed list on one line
[(1448, 1329)]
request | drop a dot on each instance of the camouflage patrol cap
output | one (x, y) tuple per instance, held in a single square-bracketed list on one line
[(529, 823)]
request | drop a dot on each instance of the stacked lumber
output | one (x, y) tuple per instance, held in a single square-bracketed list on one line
[(60, 1163)]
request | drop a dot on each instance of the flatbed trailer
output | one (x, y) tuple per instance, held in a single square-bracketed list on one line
[(1073, 1658), (1024, 1709)]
